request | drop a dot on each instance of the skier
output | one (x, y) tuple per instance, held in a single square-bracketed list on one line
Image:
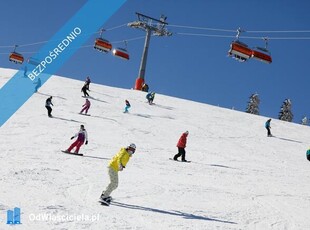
[(308, 154), (127, 106), (48, 106), (81, 137), (86, 106), (87, 83), (267, 126), (181, 147), (38, 85), (150, 97), (84, 90), (116, 164)]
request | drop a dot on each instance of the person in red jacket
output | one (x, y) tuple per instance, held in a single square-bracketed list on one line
[(181, 147)]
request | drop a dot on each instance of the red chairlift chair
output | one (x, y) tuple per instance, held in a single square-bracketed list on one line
[(102, 44), (121, 52), (33, 61), (262, 54), (16, 57), (239, 50)]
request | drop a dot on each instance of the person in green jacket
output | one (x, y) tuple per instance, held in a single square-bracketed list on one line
[(116, 164), (308, 154)]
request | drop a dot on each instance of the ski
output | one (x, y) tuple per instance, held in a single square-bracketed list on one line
[(77, 154)]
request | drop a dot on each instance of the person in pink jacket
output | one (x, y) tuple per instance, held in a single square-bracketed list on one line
[(86, 106), (181, 147)]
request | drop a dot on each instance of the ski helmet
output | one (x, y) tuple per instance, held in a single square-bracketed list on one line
[(132, 146)]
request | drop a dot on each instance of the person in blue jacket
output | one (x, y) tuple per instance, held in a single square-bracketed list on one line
[(127, 106), (150, 97), (267, 126), (308, 154)]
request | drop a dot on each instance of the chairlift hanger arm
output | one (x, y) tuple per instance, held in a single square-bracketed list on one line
[(147, 17)]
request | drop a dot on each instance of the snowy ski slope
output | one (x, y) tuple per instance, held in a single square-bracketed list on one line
[(238, 178)]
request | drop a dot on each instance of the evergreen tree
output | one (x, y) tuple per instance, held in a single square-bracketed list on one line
[(304, 121), (253, 104), (286, 114)]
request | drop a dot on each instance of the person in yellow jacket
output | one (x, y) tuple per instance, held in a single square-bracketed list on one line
[(116, 164)]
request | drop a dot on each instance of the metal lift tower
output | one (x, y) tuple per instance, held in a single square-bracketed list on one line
[(152, 26)]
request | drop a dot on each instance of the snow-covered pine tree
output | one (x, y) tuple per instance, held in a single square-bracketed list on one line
[(286, 114), (253, 104), (304, 121)]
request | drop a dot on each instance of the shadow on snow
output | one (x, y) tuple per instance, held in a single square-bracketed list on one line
[(174, 213), (64, 119), (285, 139), (102, 158), (95, 99), (51, 95)]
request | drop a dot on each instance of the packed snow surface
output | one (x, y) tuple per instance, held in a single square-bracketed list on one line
[(238, 178)]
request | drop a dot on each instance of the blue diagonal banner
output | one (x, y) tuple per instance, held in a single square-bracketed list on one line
[(55, 53)]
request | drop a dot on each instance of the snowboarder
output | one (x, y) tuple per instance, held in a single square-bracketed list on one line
[(87, 83), (127, 106), (268, 127), (48, 106), (84, 90), (116, 164), (38, 85), (308, 154), (181, 147), (81, 137), (86, 106), (150, 97)]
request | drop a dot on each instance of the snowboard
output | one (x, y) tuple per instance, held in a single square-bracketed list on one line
[(105, 203), (180, 161), (84, 114), (77, 154)]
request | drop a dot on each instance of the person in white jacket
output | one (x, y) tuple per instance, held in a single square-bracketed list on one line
[(81, 137)]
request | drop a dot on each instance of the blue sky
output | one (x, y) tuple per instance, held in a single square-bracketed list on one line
[(193, 66)]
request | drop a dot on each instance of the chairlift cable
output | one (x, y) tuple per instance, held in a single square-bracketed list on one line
[(247, 37)]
